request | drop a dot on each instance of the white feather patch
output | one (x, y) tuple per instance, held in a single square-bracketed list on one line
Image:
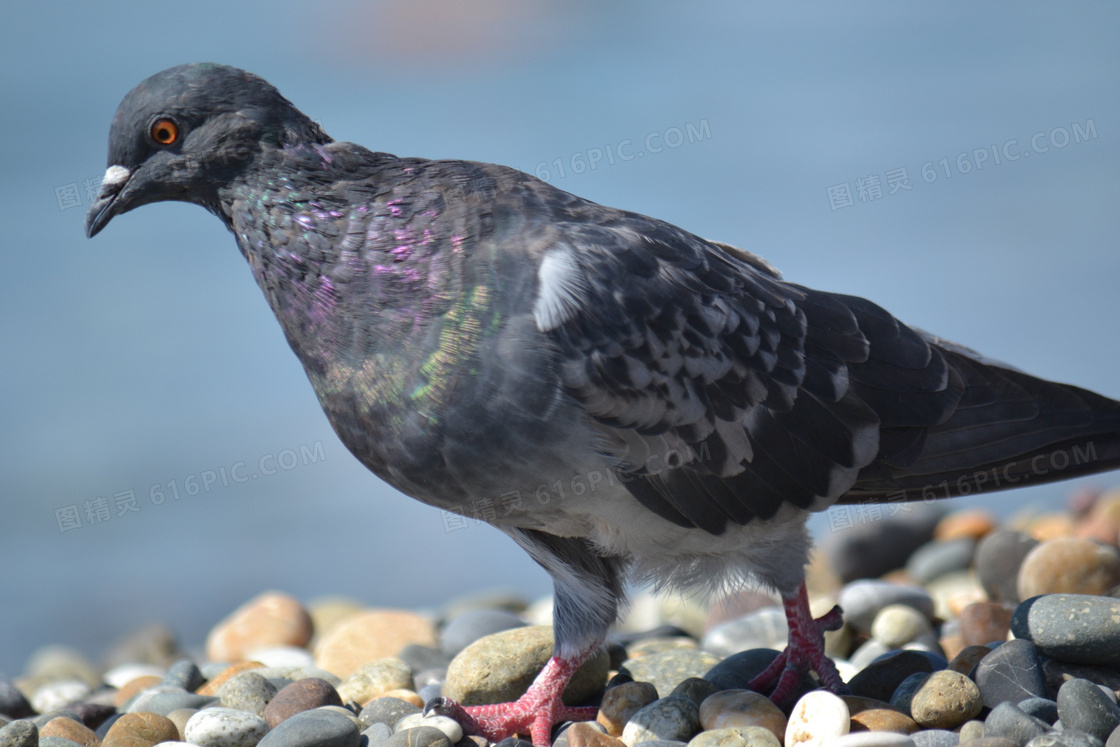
[(115, 175), (562, 289)]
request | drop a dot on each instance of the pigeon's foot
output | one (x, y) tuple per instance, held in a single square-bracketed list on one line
[(534, 713), (805, 651)]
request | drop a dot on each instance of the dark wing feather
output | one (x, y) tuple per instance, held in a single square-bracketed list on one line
[(728, 392)]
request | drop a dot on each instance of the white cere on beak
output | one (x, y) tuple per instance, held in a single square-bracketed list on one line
[(115, 175)]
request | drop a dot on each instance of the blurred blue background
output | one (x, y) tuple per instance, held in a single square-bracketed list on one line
[(148, 356)]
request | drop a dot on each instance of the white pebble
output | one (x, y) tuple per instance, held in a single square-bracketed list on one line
[(448, 726), (59, 693), (282, 656), (121, 675), (898, 624), (225, 727), (818, 719)]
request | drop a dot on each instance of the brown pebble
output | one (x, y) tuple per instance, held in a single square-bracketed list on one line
[(951, 645), (585, 735), (946, 699), (367, 636), (180, 717), (134, 687), (623, 701), (212, 687), (730, 709), (1050, 526), (408, 696), (300, 696), (140, 730), (869, 714), (1069, 566), (68, 728), (985, 622), (270, 619), (965, 661), (973, 523), (1103, 521)]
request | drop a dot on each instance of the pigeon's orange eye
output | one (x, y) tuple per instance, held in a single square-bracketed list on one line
[(164, 131)]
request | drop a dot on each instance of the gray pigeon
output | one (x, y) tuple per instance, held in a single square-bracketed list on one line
[(622, 398)]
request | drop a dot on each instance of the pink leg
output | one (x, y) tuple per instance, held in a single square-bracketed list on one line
[(804, 652), (534, 712)]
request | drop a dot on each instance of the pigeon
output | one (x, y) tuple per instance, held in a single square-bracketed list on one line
[(627, 401)]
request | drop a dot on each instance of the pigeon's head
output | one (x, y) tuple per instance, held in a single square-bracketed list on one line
[(183, 133)]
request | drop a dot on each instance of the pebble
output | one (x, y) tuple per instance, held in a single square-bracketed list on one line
[(904, 693), (736, 671), (223, 674), (164, 699), (59, 693), (426, 736), (315, 728), (695, 689), (668, 669), (748, 736), (935, 559), (880, 679), (19, 733), (982, 623), (247, 691), (1068, 565), (1064, 739), (93, 714), (56, 742), (1041, 708), (873, 739), (862, 600), (967, 659), (899, 624), (868, 714), (997, 562), (13, 703), (1059, 672), (62, 663), (1008, 720), (1011, 673), (817, 720), (659, 644), (140, 730), (122, 674), (975, 523), (374, 679), (944, 700), (500, 667), (1082, 706), (68, 728), (935, 738), (585, 734), (302, 695), (369, 635), (282, 657), (872, 549), (180, 717), (620, 703), (741, 708), (269, 619), (153, 643), (386, 711), (764, 628), (185, 674), (1074, 628), (668, 718), (448, 726), (466, 628), (134, 687), (225, 727)]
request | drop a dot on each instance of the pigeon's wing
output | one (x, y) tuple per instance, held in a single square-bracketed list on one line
[(729, 392), (725, 389)]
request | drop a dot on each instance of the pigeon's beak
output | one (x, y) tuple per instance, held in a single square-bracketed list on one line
[(106, 205)]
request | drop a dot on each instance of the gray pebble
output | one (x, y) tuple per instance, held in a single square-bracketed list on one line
[(1074, 628), (377, 734), (1011, 673), (661, 743), (1041, 708), (421, 736), (1065, 739), (247, 691), (57, 742), (418, 658), (764, 628), (386, 711), (872, 549), (42, 719), (427, 692), (736, 671), (670, 668), (872, 739), (904, 693), (935, 559), (669, 718), (934, 738), (106, 725), (997, 560), (319, 727), (12, 703), (163, 700), (862, 600), (1083, 707), (225, 727), (19, 733), (184, 674), (1008, 720), (466, 628)]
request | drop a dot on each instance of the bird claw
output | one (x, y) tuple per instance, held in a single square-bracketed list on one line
[(804, 652)]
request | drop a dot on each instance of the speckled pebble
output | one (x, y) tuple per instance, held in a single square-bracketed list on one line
[(872, 739), (742, 708), (944, 700), (57, 742), (669, 718), (875, 715), (19, 733), (934, 738), (321, 727), (376, 734), (1069, 566), (140, 730), (225, 727), (1065, 739), (386, 711), (374, 679), (668, 669), (59, 693), (623, 701), (764, 628), (1082, 706), (817, 720), (747, 736), (899, 624), (248, 691), (1072, 628)]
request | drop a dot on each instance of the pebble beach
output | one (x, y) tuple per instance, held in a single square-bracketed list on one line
[(959, 629)]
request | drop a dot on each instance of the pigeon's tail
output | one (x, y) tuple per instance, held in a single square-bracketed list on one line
[(1008, 430)]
